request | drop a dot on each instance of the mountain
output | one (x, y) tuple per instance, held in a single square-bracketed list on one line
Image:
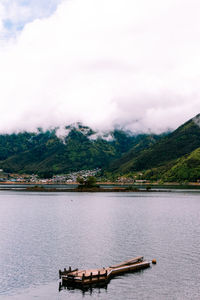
[(143, 142), (186, 168), (170, 156), (165, 151), (80, 149)]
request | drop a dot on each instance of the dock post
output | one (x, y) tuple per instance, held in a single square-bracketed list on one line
[(98, 275), (65, 270), (70, 269), (83, 276), (106, 273), (91, 276)]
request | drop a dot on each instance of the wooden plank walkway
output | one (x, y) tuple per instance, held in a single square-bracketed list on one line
[(129, 262), (82, 278)]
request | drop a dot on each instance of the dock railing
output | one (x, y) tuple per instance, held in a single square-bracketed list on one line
[(97, 276)]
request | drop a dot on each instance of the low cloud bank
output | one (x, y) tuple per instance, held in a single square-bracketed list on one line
[(106, 64)]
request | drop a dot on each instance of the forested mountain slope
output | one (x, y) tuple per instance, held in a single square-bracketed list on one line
[(46, 152), (182, 141)]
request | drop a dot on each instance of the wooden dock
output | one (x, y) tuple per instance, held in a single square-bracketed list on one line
[(82, 278)]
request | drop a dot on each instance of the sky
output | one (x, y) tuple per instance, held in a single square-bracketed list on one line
[(106, 63)]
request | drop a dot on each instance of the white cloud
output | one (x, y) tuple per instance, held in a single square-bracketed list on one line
[(104, 63)]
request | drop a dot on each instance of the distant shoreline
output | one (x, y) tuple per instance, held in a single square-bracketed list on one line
[(103, 188), (136, 184)]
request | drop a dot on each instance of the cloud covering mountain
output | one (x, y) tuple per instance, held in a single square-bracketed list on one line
[(103, 63)]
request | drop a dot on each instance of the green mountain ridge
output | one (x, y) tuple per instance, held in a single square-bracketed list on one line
[(170, 157), (184, 169), (45, 152), (165, 151)]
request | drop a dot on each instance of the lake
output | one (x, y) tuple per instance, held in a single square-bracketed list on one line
[(41, 233)]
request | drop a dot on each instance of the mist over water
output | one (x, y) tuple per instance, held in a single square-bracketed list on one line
[(41, 233)]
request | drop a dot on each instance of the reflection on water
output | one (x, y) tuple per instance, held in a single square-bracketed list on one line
[(84, 290), (41, 233)]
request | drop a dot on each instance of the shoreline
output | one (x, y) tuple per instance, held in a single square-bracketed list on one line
[(104, 183), (95, 190), (75, 190), (102, 188)]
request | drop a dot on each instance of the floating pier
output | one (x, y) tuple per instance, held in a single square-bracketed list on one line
[(82, 278)]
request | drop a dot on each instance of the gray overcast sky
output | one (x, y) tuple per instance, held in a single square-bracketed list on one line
[(105, 63)]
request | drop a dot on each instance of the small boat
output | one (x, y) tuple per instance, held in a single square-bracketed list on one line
[(82, 278)]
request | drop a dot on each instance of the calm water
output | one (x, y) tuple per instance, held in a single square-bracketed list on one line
[(41, 233)]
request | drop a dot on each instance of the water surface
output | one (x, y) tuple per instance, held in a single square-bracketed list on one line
[(41, 233)]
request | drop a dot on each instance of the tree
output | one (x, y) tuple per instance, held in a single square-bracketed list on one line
[(80, 180), (90, 181)]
